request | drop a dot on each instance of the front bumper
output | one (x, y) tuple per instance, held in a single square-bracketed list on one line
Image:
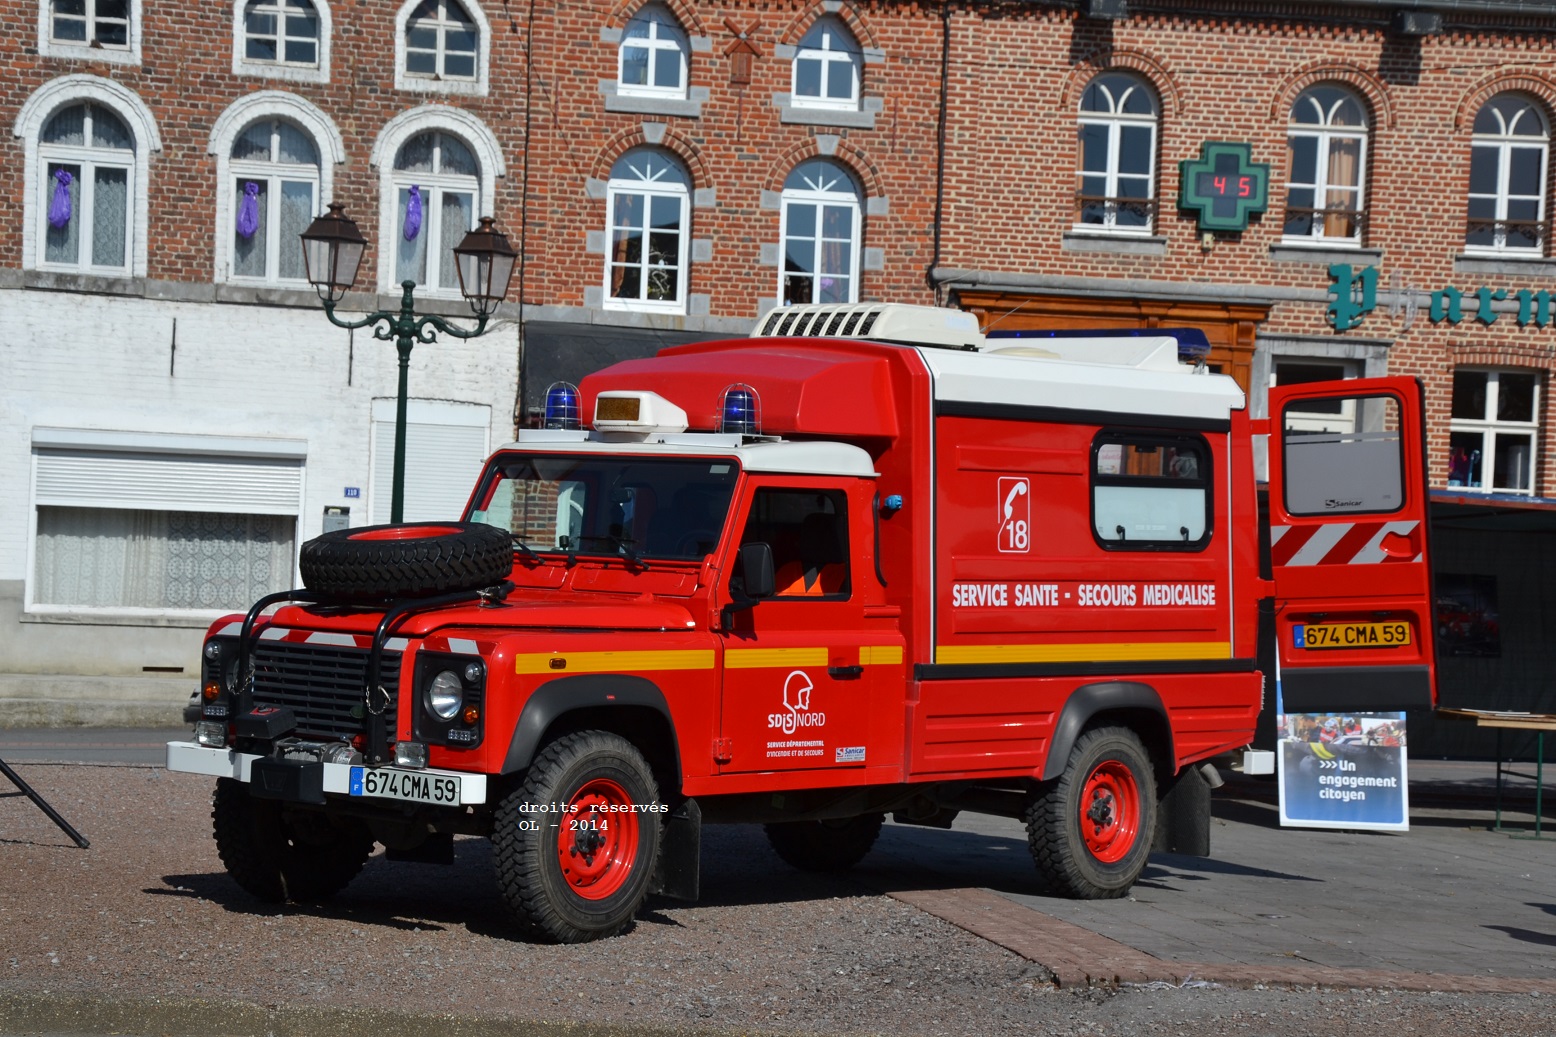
[(191, 758)]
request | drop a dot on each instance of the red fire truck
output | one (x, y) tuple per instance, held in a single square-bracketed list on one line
[(867, 561)]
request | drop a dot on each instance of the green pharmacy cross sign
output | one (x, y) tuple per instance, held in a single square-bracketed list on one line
[(1223, 185)]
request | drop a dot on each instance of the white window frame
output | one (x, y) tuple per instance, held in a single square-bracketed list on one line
[(434, 185), (473, 134), (476, 86), (275, 173), (649, 187), (1504, 143), (665, 40), (817, 194), (114, 54), (1488, 428), (827, 51), (239, 116), (1115, 120), (36, 111), (194, 451), (87, 160), (1326, 134), (293, 71), (1316, 418)]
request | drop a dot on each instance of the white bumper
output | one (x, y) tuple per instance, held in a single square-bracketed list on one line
[(192, 758)]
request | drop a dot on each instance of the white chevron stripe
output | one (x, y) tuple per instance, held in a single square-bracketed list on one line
[(1372, 551), (1324, 538)]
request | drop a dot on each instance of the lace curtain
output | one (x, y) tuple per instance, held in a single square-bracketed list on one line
[(109, 558)]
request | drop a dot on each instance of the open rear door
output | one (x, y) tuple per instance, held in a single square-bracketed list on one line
[(1349, 546)]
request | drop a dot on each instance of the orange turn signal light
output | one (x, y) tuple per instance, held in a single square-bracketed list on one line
[(472, 714), (211, 690)]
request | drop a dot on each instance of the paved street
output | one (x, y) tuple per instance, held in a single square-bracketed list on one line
[(1449, 909)]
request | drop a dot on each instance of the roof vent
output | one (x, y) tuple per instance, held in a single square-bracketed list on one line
[(880, 322)]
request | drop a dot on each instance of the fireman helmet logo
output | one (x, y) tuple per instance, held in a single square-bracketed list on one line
[(796, 699)]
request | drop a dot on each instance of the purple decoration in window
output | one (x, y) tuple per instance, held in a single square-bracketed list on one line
[(59, 205), (248, 210), (413, 214)]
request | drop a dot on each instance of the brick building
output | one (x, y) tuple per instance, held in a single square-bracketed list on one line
[(1328, 189)]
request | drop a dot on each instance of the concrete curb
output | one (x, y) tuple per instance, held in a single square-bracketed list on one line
[(74, 1013), (1078, 957)]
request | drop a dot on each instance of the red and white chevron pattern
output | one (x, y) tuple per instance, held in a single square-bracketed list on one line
[(1337, 543)]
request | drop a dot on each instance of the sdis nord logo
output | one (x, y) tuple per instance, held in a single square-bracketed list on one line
[(796, 699)]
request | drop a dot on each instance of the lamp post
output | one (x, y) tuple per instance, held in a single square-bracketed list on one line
[(332, 254)]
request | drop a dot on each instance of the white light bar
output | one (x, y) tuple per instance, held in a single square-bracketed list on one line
[(618, 410)]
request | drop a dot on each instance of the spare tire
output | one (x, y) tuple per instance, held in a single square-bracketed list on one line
[(372, 563)]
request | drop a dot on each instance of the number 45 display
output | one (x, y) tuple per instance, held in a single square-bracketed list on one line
[(1015, 516)]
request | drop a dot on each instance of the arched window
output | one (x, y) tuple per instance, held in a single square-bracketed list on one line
[(826, 67), (1508, 157), (436, 185), (821, 230), (87, 157), (653, 55), (1327, 135), (274, 179), (441, 41), (1116, 178), (648, 212)]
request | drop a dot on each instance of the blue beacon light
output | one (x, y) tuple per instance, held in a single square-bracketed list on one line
[(740, 410), (561, 406)]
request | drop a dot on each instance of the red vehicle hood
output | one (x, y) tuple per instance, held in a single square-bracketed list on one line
[(597, 612)]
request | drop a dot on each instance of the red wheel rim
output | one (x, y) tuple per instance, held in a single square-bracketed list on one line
[(405, 533), (597, 840), (1110, 812)]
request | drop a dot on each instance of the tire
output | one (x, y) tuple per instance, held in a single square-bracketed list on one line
[(825, 846), (1090, 830), (373, 563), (307, 859), (562, 878)]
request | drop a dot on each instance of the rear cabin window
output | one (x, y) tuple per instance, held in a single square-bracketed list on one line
[(1350, 459), (1150, 493)]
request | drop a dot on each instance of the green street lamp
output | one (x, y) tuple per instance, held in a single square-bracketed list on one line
[(332, 254)]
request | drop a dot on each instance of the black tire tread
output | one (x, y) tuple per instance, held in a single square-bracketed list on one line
[(825, 846), (1053, 827), (340, 567), (273, 862), (521, 857)]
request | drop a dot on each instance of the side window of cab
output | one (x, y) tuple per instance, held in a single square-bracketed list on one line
[(807, 532)]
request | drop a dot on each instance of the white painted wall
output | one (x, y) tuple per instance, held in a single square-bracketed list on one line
[(71, 360)]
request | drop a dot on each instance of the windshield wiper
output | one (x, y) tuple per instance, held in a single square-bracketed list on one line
[(524, 549), (624, 548)]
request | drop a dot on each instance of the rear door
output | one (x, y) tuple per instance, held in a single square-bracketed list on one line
[(1349, 546)]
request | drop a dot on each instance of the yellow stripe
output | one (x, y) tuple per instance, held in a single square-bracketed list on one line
[(757, 658), (611, 662), (1079, 653), (1320, 752), (880, 655)]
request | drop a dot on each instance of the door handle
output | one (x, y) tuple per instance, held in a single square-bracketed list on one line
[(1398, 545), (845, 673)]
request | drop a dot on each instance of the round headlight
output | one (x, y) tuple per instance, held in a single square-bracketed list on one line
[(474, 672), (213, 650), (444, 695)]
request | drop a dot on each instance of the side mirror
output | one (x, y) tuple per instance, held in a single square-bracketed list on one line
[(756, 570)]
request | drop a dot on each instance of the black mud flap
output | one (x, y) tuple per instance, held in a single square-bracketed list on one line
[(1183, 816), (296, 781), (680, 856)]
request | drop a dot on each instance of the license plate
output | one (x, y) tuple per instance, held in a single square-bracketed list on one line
[(383, 783), (1351, 635)]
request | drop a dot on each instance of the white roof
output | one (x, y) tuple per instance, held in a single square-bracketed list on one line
[(1129, 375), (804, 458)]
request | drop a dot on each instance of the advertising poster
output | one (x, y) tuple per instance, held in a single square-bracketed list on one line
[(1343, 771)]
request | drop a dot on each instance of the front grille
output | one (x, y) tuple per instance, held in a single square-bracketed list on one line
[(321, 685)]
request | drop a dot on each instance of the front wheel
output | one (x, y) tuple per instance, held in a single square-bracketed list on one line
[(1090, 829), (305, 857), (575, 845)]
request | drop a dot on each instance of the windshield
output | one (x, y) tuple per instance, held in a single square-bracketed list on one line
[(630, 507)]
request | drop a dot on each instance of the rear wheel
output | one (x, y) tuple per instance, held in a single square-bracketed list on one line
[(1090, 829), (827, 846), (306, 857), (574, 845)]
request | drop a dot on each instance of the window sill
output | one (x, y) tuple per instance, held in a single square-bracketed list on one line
[(64, 614), (800, 115), (428, 85), (1325, 253), (130, 55), (1504, 264), (641, 104), (288, 73), (1115, 242)]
